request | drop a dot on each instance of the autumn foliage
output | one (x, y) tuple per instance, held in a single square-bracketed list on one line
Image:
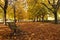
[(36, 31)]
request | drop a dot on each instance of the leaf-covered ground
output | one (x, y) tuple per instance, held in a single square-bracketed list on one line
[(33, 31)]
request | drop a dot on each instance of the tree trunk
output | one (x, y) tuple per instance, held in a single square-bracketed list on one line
[(5, 8), (37, 18), (14, 14), (55, 15), (42, 18), (33, 19), (4, 16)]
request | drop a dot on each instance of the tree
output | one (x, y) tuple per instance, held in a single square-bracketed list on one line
[(42, 12), (32, 8), (55, 6), (5, 9), (19, 12), (10, 14)]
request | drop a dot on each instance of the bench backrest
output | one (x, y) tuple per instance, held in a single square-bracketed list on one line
[(12, 26)]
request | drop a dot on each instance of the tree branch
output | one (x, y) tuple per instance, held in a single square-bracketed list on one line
[(49, 2), (6, 4), (58, 4), (1, 7), (47, 7), (53, 1)]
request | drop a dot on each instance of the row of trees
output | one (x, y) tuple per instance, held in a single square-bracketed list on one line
[(37, 9), (12, 9), (40, 8), (5, 9)]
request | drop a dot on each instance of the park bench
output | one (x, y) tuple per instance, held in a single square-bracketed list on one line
[(13, 27), (16, 32)]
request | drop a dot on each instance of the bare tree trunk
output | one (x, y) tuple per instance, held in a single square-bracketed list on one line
[(33, 19), (55, 15), (14, 14), (37, 18), (43, 19), (4, 16), (5, 8)]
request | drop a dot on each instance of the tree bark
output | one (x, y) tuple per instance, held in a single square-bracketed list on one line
[(37, 18), (4, 16), (33, 19), (42, 18), (5, 8), (55, 15), (14, 14)]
